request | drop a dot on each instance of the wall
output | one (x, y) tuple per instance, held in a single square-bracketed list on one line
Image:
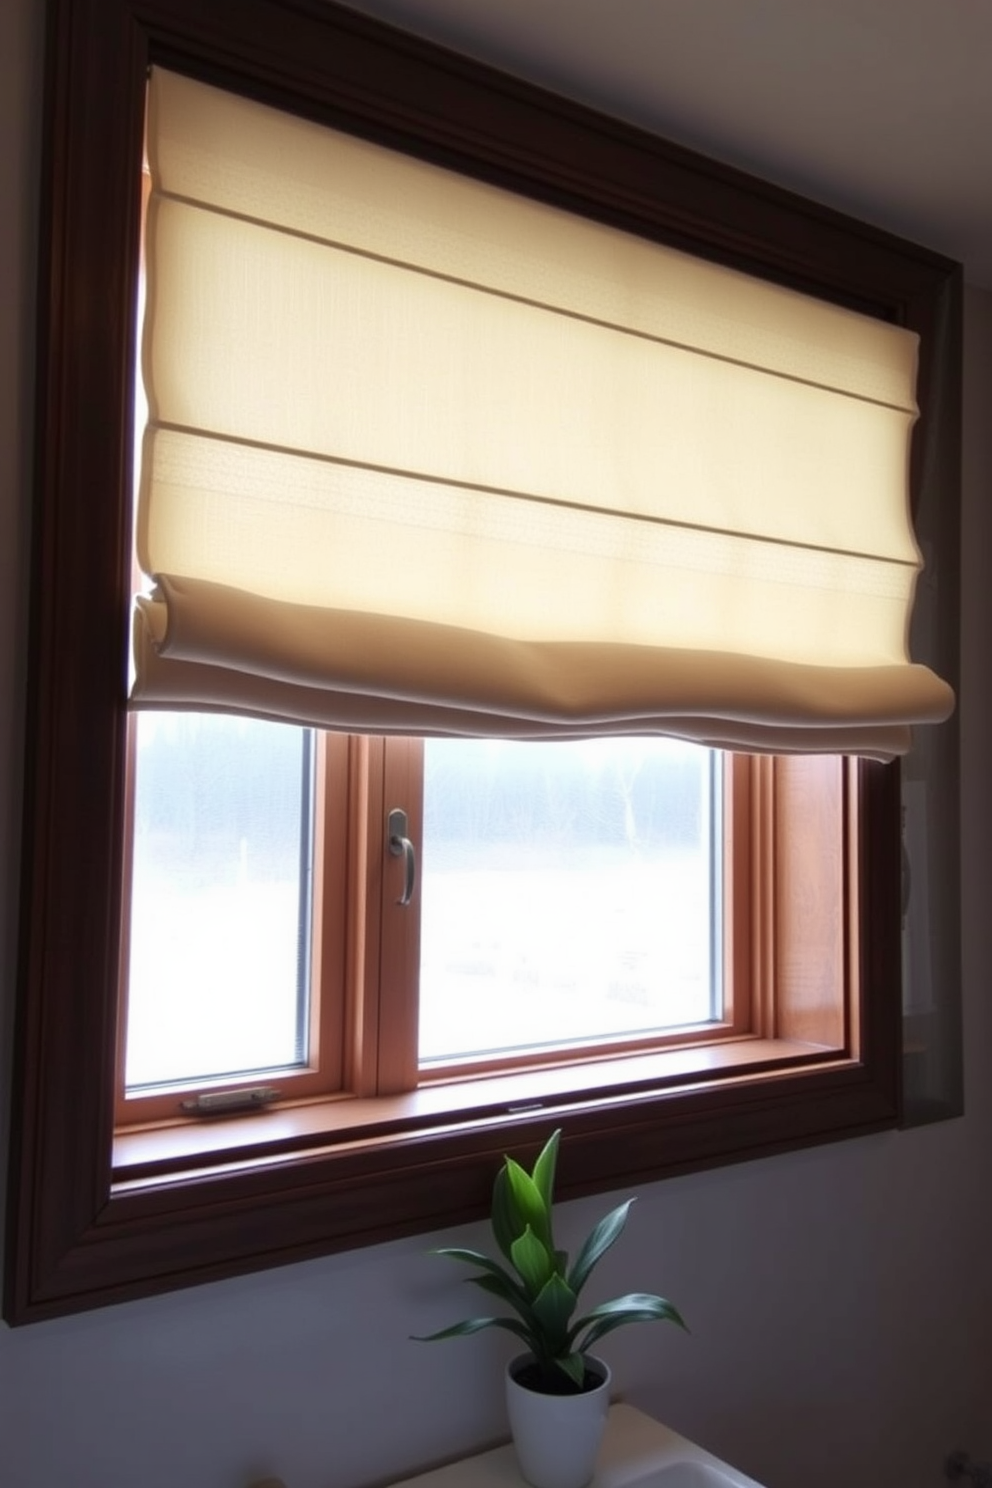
[(840, 1299)]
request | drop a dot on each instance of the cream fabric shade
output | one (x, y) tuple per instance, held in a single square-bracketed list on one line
[(427, 457)]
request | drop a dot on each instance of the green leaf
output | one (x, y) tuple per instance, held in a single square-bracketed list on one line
[(475, 1325), (472, 1257), (544, 1169), (476, 1258), (574, 1366), (497, 1280), (596, 1244), (516, 1298), (503, 1220), (527, 1204), (460, 1253), (501, 1286), (553, 1308), (534, 1264), (636, 1307)]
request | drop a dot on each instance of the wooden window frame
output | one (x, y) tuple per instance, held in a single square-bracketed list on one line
[(364, 954), (324, 1072), (81, 1232)]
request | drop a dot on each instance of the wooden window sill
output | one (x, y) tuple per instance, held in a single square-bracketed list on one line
[(170, 1150)]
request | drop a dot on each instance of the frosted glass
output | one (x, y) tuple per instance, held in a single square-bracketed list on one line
[(570, 893), (218, 971)]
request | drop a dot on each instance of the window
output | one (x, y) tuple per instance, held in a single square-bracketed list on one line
[(572, 896), (218, 955), (570, 901), (569, 931), (89, 1227), (567, 925)]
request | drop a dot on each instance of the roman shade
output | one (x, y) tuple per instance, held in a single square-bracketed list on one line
[(425, 456)]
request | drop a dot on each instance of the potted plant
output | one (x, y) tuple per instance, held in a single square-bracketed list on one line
[(557, 1392)]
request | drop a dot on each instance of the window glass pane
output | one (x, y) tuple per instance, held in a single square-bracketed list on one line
[(571, 892), (219, 933)]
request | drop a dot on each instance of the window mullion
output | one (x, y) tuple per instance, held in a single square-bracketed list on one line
[(329, 874), (399, 943), (764, 879), (364, 892)]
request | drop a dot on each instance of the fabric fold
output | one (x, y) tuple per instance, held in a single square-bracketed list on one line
[(381, 674), (426, 456)]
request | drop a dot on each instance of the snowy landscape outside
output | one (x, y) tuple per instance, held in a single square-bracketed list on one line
[(569, 893)]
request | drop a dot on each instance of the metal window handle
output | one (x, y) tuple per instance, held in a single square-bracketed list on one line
[(400, 846)]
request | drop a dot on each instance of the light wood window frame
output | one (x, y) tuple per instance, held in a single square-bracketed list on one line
[(324, 1071), (788, 853), (86, 1228), (365, 947)]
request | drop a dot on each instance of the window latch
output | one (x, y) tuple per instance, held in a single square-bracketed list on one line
[(231, 1102), (400, 846)]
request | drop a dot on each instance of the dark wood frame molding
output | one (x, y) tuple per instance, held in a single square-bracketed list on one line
[(76, 1240)]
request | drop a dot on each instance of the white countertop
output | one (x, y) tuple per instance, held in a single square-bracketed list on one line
[(634, 1445)]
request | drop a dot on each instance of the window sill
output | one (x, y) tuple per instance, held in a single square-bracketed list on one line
[(160, 1151)]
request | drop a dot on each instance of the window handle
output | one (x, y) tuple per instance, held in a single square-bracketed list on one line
[(400, 846)]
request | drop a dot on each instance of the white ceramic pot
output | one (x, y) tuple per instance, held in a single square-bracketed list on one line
[(557, 1437)]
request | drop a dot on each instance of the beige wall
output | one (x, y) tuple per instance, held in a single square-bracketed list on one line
[(840, 1299)]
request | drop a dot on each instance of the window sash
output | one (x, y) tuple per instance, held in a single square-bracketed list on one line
[(789, 848), (322, 1072)]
